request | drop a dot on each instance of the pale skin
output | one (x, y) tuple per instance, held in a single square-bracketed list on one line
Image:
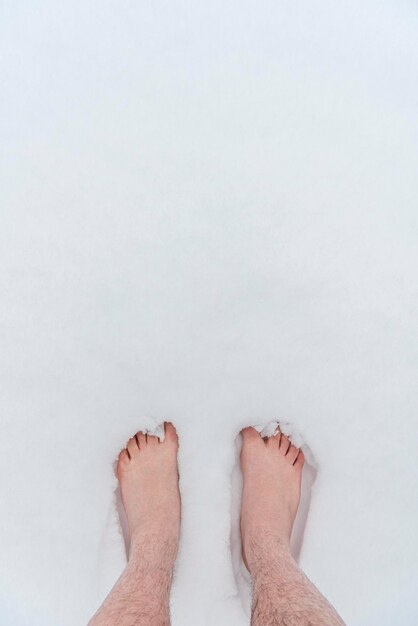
[(148, 475)]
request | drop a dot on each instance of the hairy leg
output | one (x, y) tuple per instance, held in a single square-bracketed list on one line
[(282, 594), (148, 477)]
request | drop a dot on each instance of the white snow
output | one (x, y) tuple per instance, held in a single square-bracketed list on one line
[(208, 215)]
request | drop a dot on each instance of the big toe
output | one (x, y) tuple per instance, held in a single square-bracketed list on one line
[(170, 433), (251, 436), (123, 461), (249, 433)]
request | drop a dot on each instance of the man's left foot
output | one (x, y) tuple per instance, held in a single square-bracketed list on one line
[(149, 482)]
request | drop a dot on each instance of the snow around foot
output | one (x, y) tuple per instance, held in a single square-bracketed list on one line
[(147, 471), (272, 472)]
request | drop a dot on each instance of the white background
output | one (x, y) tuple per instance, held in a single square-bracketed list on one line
[(209, 215)]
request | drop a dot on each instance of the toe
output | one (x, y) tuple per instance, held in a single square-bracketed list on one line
[(300, 460), (284, 444), (123, 461), (250, 434), (292, 454), (170, 433), (275, 439), (123, 457), (152, 440), (132, 447), (252, 443), (142, 439), (272, 441)]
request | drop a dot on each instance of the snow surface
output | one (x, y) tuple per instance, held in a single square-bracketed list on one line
[(208, 215)]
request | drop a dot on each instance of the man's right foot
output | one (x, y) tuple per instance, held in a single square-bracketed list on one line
[(272, 472)]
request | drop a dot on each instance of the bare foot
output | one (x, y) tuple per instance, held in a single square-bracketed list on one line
[(148, 475), (272, 472)]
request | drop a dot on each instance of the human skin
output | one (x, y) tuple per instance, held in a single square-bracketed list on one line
[(282, 594), (148, 475)]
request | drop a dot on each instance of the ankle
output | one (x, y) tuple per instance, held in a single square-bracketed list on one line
[(154, 545), (264, 551)]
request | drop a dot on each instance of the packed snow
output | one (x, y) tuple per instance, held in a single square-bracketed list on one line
[(208, 216)]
